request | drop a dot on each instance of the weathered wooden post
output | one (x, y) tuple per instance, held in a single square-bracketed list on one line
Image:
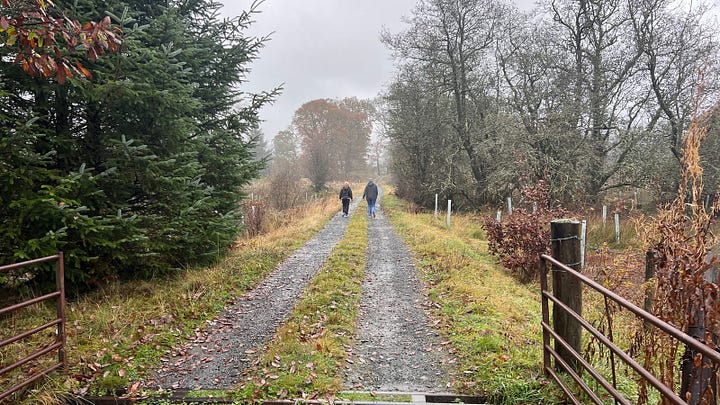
[(583, 241), (436, 202), (498, 216), (698, 380), (649, 274), (509, 202), (565, 248)]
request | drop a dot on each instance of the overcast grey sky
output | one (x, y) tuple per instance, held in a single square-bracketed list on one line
[(321, 49)]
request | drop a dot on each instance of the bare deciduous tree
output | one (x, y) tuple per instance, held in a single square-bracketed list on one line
[(453, 42), (334, 136)]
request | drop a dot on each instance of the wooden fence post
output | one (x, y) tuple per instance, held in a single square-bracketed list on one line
[(649, 274), (565, 247), (509, 203), (436, 202), (698, 377), (583, 242)]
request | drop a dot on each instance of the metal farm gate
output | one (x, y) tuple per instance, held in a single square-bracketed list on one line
[(58, 323)]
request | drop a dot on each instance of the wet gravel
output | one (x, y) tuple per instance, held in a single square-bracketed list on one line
[(218, 356), (396, 348)]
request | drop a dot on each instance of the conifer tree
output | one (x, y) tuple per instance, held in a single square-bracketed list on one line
[(138, 171)]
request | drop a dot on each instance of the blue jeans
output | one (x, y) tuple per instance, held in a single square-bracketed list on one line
[(371, 207)]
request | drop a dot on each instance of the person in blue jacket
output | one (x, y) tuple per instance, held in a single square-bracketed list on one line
[(370, 195)]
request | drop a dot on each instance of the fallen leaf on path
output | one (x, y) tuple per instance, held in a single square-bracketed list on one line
[(133, 389)]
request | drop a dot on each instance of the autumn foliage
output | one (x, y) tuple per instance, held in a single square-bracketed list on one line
[(686, 292), (520, 240), (34, 28), (334, 136)]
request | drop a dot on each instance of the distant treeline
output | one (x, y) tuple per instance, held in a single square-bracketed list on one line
[(589, 95)]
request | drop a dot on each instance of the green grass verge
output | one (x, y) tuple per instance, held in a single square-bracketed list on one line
[(491, 321), (306, 358), (117, 334)]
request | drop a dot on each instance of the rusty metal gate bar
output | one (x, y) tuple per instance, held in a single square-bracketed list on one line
[(549, 333), (59, 323)]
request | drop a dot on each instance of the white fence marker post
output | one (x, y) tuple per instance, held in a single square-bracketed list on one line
[(617, 228), (436, 197), (509, 200), (499, 216), (604, 214), (534, 208), (449, 211), (583, 234)]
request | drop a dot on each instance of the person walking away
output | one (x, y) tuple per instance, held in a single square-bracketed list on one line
[(370, 194), (346, 197)]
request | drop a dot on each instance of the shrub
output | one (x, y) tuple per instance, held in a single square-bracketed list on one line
[(254, 217), (525, 235), (286, 189), (684, 296)]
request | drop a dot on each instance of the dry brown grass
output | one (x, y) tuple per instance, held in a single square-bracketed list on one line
[(119, 332), (680, 238)]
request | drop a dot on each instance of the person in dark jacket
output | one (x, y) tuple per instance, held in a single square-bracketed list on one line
[(370, 195), (346, 197)]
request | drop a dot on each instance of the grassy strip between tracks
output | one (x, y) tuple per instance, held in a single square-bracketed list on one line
[(491, 321), (118, 333), (307, 356)]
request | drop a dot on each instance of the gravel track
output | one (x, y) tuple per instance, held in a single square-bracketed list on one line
[(219, 354), (396, 349)]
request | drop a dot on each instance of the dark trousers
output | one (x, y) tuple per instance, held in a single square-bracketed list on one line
[(346, 205)]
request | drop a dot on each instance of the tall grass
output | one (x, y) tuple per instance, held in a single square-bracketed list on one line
[(305, 360), (116, 334), (685, 288), (490, 322), (601, 234)]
